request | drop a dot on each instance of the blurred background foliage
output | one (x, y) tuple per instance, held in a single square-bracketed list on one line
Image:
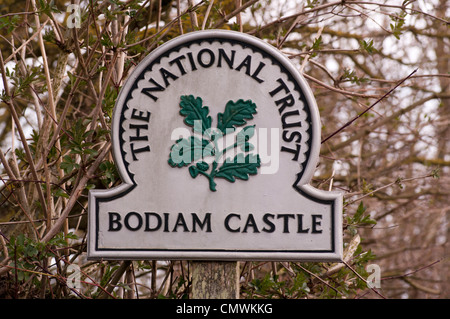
[(59, 86)]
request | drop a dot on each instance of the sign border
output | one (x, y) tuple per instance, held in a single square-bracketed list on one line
[(301, 185)]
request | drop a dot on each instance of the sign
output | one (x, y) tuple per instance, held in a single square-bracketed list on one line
[(216, 136)]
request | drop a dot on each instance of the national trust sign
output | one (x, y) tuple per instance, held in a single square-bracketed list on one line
[(216, 136)]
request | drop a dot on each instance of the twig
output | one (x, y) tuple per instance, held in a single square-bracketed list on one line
[(193, 16), (283, 19), (368, 109), (206, 15), (317, 277), (343, 92), (75, 194), (26, 42), (306, 59), (166, 26), (293, 25), (234, 13), (28, 154), (180, 24), (412, 272), (398, 181), (118, 274), (238, 16), (366, 130), (24, 206), (360, 277)]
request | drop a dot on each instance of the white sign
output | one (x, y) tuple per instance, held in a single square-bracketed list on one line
[(216, 136)]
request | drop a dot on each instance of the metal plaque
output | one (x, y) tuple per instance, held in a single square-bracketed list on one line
[(216, 136)]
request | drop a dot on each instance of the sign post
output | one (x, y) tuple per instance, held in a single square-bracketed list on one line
[(216, 136), (215, 280)]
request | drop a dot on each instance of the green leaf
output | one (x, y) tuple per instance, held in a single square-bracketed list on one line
[(247, 147), (192, 108), (49, 7), (9, 23), (359, 212), (68, 164), (30, 251), (367, 46), (350, 75), (311, 3), (60, 193), (185, 151), (316, 46), (193, 171), (245, 134), (359, 218), (435, 173), (203, 166), (398, 26), (235, 114), (241, 167), (109, 172)]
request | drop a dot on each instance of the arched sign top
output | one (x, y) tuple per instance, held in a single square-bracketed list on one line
[(216, 136), (224, 51)]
